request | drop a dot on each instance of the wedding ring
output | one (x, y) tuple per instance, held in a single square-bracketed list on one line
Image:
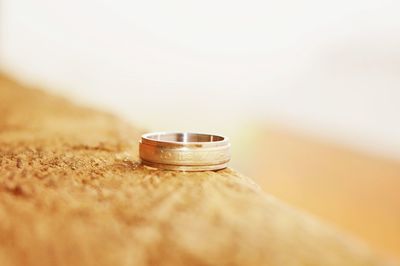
[(183, 151)]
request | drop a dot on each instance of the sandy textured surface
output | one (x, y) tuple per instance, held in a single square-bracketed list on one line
[(72, 193)]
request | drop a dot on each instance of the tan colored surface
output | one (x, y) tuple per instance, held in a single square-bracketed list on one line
[(357, 192), (72, 193)]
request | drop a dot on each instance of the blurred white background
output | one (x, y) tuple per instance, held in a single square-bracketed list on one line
[(328, 67)]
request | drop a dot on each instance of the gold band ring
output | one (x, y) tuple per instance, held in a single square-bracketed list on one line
[(184, 151)]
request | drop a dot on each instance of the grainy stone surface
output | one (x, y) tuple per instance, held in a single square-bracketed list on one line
[(73, 193)]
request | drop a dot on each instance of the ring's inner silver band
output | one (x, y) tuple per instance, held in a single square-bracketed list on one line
[(185, 137)]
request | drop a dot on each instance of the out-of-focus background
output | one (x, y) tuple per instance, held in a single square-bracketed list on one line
[(308, 91)]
